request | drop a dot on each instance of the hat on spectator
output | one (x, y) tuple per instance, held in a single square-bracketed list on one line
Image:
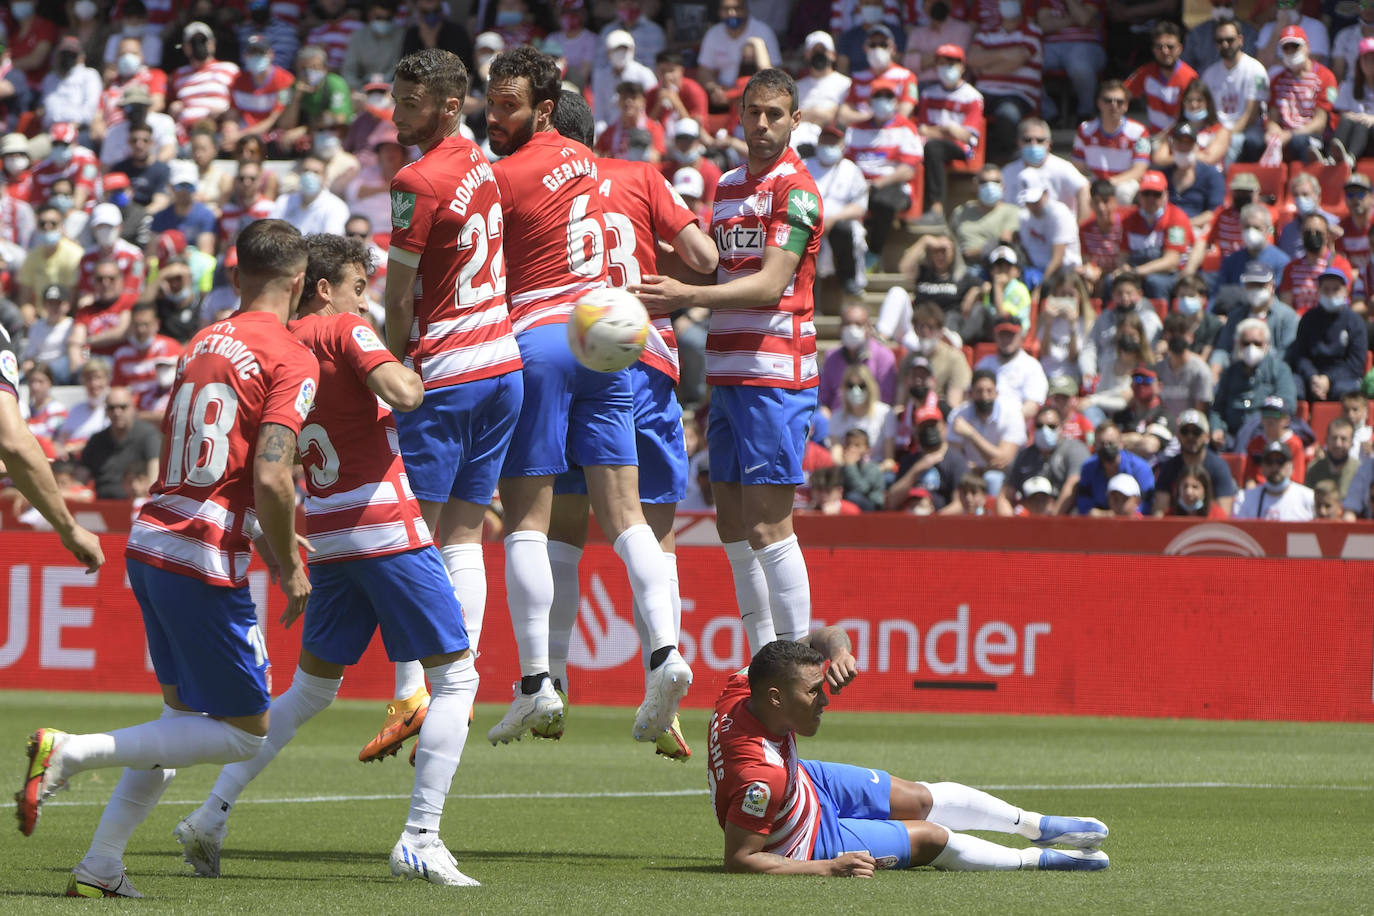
[(881, 84), (915, 361), (386, 133), (879, 28), (1124, 484), (688, 182), (819, 38), (1038, 486), (1063, 384), (1154, 180), (135, 94), (619, 38), (376, 83), (1358, 180), (1032, 187), (170, 243), (1007, 323), (1146, 373), (69, 43), (63, 132), (1159, 428), (638, 138), (1245, 181), (1367, 45), (115, 181), (106, 215), (687, 127), (1278, 448), (1257, 272), (1194, 417), (1333, 271), (231, 257), (953, 52), (14, 143), (928, 413), (54, 293), (1003, 253), (258, 43), (832, 130), (1183, 129), (197, 28), (1292, 33), (182, 173), (489, 41), (1275, 406), (918, 493)]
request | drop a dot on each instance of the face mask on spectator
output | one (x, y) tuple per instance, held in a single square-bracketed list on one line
[(314, 76), (618, 57), (1195, 115), (1184, 160), (734, 22), (257, 63), (870, 15), (990, 193), (1046, 439), (47, 237), (62, 153), (927, 345), (62, 202), (1009, 10), (1251, 355), (1305, 203), (984, 408), (378, 100), (1154, 214), (120, 198), (1253, 238), (929, 437), (1333, 303), (1033, 155), (688, 156), (883, 109), (820, 60), (199, 48), (637, 154), (105, 235), (856, 395), (507, 18), (382, 27), (85, 9), (1189, 305), (949, 75), (16, 163), (1193, 505), (1277, 485), (128, 65), (182, 295), (1258, 298), (1295, 59), (829, 153), (879, 59), (853, 336), (22, 10), (1313, 240), (1108, 451), (327, 145), (311, 183)]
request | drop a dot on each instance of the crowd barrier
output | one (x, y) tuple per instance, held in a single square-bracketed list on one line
[(1064, 616)]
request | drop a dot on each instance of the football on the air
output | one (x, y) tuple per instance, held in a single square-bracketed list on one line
[(607, 329)]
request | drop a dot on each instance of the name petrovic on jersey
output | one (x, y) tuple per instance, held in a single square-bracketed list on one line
[(233, 350)]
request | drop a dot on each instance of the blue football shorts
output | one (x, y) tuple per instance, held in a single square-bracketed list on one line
[(855, 810), (571, 414), (408, 595), (204, 640), (659, 441), (757, 435), (455, 442)]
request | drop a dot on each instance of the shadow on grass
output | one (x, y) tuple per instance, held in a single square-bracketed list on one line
[(464, 856), (715, 869)]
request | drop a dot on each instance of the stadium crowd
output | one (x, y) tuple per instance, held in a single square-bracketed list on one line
[(1169, 317)]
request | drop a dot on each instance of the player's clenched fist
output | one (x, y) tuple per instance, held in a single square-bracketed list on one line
[(852, 865)]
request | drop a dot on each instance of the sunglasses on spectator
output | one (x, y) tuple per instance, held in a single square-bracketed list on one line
[(121, 405), (1142, 380), (1356, 193), (1273, 458), (1047, 426), (1113, 101), (1228, 40), (356, 235), (48, 224), (106, 278), (1038, 141), (1190, 431)]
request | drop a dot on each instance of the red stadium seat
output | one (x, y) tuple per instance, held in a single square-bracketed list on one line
[(1304, 410), (1236, 462), (1272, 179), (1365, 167), (918, 199), (1323, 412), (1161, 308), (980, 153), (983, 349), (968, 355)]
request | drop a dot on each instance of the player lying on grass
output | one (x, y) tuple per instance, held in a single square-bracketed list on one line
[(785, 815)]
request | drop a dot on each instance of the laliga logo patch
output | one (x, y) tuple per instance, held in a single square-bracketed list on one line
[(305, 400), (755, 799), (366, 340), (9, 368)]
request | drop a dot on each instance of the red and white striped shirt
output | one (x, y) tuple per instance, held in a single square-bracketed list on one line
[(1163, 92), (288, 11), (1295, 97), (237, 376), (83, 169), (448, 221), (1354, 244), (555, 235), (48, 419), (878, 149), (359, 502), (1300, 275), (768, 347), (234, 216), (640, 207), (844, 14), (756, 779), (127, 255), (1227, 234), (135, 368), (986, 13), (334, 37), (1145, 242), (202, 91), (1091, 32), (1100, 246), (154, 80), (255, 102), (1025, 81), (861, 85), (1106, 155), (961, 106), (17, 220)]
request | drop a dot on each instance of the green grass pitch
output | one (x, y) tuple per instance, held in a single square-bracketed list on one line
[(1215, 817)]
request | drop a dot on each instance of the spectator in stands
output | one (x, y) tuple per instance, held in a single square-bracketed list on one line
[(370, 193), (718, 58), (1050, 456), (691, 187), (1129, 349), (31, 41), (136, 111), (926, 37), (1256, 245), (1355, 408), (52, 260), (1109, 460), (844, 203), (1196, 188), (1063, 397), (581, 45), (375, 121), (85, 418), (340, 166), (1338, 462), (1048, 232), (827, 492), (101, 325), (1301, 99), (1256, 375), (177, 300), (1298, 287), (375, 49), (1202, 50), (820, 93), (126, 441), (1357, 503), (48, 337), (17, 164), (950, 119), (1240, 85), (851, 35), (1019, 375), (862, 407), (1326, 501), (1156, 237), (858, 347), (649, 38), (1185, 381), (1345, 47), (1002, 295), (244, 203), (312, 208), (1008, 66), (1037, 498), (146, 364), (1161, 81), (133, 18), (187, 215), (431, 28), (43, 413), (1356, 106), (1353, 240), (148, 177), (614, 140), (280, 35), (1100, 238), (1271, 37), (1328, 353), (1260, 303), (105, 225), (863, 471), (201, 88), (259, 95), (971, 497), (926, 461), (1305, 193), (67, 159), (1123, 497), (1144, 422), (887, 148), (880, 53), (1065, 182), (986, 221), (1112, 146), (678, 97), (211, 179), (617, 68), (14, 88), (1203, 324), (70, 92), (1066, 313), (319, 101), (1194, 461), (1073, 42), (988, 430), (1277, 496), (1125, 292)]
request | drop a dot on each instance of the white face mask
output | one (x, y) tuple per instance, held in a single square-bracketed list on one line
[(829, 154), (879, 59), (870, 15), (1305, 204), (1010, 10), (950, 74), (105, 235), (1184, 160), (852, 337), (883, 109), (1333, 303), (1254, 239), (619, 57), (1252, 355), (85, 10), (128, 65), (856, 395), (1258, 298), (927, 345), (1295, 60)]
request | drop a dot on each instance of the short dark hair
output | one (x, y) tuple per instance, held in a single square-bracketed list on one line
[(1101, 187), (1177, 323), (629, 89), (440, 73), (540, 69), (1130, 278), (1337, 422), (271, 249), (573, 119), (928, 313), (329, 255), (980, 374), (143, 307), (771, 80), (858, 432), (669, 57), (779, 661), (1220, 23), (826, 478), (1165, 27), (41, 368)]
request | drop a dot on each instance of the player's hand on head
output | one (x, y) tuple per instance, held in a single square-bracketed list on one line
[(841, 671), (85, 547), (852, 865)]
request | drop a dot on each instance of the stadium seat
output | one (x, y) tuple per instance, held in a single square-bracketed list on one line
[(917, 199), (983, 349), (1271, 179), (1332, 179), (1304, 411), (968, 355), (1323, 412), (1161, 308), (1236, 462), (1365, 167)]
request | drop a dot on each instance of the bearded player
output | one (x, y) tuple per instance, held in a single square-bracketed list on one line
[(640, 210), (760, 358), (785, 815), (447, 243), (555, 240), (373, 566)]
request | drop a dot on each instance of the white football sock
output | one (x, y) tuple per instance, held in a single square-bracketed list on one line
[(453, 687), (134, 797), (970, 853), (529, 592), (751, 594), (307, 697), (179, 741), (671, 560), (789, 589), (410, 679), (468, 574), (567, 598), (643, 559), (961, 807)]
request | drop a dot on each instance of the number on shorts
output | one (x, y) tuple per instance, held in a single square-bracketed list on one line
[(476, 237), (201, 421), (623, 267), (324, 472), (586, 240)]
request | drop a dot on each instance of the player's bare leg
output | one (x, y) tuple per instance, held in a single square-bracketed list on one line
[(751, 588)]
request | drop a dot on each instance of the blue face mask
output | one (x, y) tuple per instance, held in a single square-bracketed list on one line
[(1197, 115), (47, 237), (63, 202), (734, 22), (1194, 505), (1189, 305), (310, 184), (1034, 155), (120, 198), (507, 18), (256, 64), (829, 154), (990, 193)]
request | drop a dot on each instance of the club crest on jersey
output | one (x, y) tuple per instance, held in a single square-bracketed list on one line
[(9, 368), (366, 340), (755, 799), (305, 398), (402, 209), (763, 203)]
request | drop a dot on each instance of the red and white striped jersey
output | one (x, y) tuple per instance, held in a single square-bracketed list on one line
[(1226, 232), (861, 85), (237, 375), (878, 149), (288, 11), (254, 102), (961, 106), (202, 90), (1100, 246), (17, 220), (768, 347), (358, 500), (640, 208), (1104, 154), (448, 222), (1298, 284), (1354, 244), (234, 216), (756, 780), (844, 14), (83, 169), (334, 37), (135, 368), (1144, 241), (985, 13), (555, 236), (155, 81), (1091, 32), (127, 255), (47, 420), (1163, 92), (1295, 97), (1025, 80)]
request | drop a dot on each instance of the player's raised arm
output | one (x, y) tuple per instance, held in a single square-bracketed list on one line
[(274, 497), (744, 854), (834, 644)]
